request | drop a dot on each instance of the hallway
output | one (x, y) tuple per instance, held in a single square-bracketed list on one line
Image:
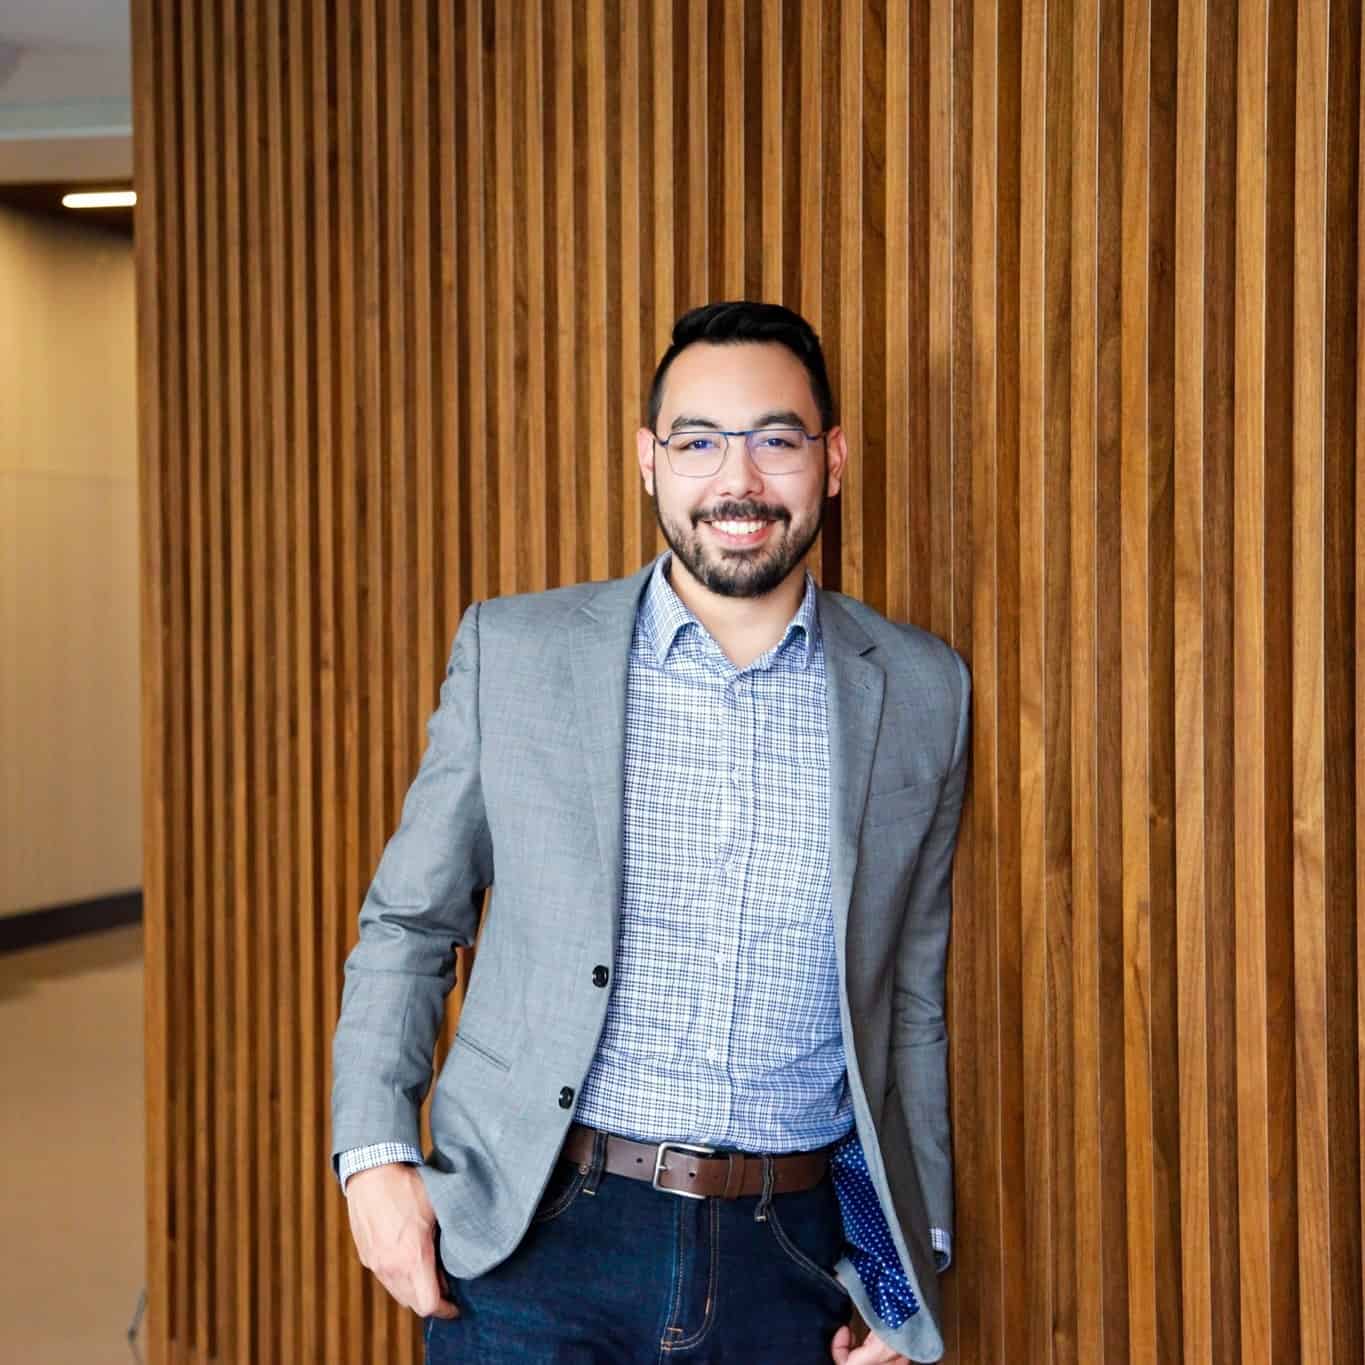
[(71, 1130)]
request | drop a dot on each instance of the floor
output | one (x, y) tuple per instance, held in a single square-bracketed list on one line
[(71, 1139)]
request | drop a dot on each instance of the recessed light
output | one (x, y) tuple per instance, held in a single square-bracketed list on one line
[(105, 199)]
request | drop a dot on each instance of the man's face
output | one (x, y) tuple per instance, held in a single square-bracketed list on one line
[(735, 388)]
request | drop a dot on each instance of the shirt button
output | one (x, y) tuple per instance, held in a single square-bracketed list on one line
[(712, 1055), (600, 976), (566, 1097), (722, 960)]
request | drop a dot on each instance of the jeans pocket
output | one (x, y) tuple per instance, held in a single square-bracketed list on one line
[(812, 1235), (566, 1180)]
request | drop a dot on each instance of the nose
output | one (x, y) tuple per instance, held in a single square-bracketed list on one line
[(739, 476)]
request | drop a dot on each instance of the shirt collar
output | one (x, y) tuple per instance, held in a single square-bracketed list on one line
[(663, 614)]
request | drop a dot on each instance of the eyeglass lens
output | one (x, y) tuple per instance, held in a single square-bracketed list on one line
[(775, 450)]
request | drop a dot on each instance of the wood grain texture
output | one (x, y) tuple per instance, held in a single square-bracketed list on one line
[(1089, 1326), (1090, 278), (1309, 814), (1191, 967)]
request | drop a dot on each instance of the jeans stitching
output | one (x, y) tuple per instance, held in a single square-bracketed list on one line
[(799, 1257), (709, 1313), (566, 1197), (679, 1263)]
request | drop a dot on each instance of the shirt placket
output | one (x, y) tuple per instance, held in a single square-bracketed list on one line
[(729, 869)]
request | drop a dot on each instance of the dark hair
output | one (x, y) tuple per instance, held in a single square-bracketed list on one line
[(747, 320)]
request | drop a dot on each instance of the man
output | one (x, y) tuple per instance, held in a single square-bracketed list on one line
[(698, 1098)]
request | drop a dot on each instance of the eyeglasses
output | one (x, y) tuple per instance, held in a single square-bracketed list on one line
[(699, 453)]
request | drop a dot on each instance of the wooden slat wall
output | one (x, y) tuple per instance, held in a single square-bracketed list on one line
[(1089, 276)]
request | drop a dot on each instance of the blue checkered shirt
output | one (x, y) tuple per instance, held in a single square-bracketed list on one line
[(723, 1023)]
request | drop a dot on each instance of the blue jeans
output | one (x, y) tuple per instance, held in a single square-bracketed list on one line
[(615, 1272)]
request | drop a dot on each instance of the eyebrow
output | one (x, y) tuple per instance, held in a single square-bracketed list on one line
[(777, 417)]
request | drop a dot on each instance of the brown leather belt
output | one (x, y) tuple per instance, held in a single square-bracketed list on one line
[(694, 1171)]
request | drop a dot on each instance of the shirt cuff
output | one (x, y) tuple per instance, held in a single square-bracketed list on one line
[(377, 1154)]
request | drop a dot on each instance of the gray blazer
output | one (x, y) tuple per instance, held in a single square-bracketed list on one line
[(521, 785)]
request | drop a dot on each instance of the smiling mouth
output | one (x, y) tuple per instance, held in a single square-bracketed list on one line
[(737, 527), (740, 533)]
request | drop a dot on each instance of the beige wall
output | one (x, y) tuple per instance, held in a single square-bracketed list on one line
[(70, 794)]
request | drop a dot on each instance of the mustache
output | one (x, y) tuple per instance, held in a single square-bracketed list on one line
[(742, 511)]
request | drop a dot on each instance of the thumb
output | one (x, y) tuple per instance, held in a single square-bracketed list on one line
[(445, 1306), (841, 1345)]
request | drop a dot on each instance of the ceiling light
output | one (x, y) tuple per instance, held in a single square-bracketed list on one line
[(106, 199)]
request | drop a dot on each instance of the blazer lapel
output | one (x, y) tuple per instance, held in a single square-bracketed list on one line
[(600, 633), (855, 685)]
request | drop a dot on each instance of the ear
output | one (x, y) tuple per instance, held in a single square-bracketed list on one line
[(837, 448), (645, 447)]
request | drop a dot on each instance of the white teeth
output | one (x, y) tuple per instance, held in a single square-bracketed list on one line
[(739, 528)]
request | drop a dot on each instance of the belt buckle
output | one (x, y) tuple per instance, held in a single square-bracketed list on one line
[(695, 1148)]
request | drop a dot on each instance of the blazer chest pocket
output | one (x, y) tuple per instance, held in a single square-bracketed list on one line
[(902, 805)]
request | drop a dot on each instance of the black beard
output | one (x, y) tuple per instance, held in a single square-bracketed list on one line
[(742, 574)]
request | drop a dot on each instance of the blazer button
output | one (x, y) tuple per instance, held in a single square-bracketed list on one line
[(599, 976), (566, 1097)]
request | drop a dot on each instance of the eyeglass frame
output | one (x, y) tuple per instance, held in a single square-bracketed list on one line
[(716, 431)]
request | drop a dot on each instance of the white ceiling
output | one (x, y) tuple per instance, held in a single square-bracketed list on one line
[(65, 91)]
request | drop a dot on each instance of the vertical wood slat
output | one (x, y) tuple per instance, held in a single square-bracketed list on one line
[(348, 1282), (211, 365), (531, 287), (452, 469), (1350, 1289), (472, 314), (1162, 363), (258, 571), (1345, 1254), (285, 719), (1055, 555), (980, 441), (950, 197), (1249, 675), (905, 424), (629, 213), (1111, 1017), (1309, 813), (326, 929), (734, 92), (1217, 811), (1083, 610), (1278, 572), (1134, 567), (1192, 934), (773, 82), (1037, 993), (304, 382), (848, 371), (511, 505), (1018, 1109), (403, 271), (573, 505), (593, 330)]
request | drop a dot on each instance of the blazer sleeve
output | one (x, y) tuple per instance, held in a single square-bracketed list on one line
[(919, 1030), (424, 902)]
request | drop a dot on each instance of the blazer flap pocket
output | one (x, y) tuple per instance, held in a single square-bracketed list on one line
[(902, 804)]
